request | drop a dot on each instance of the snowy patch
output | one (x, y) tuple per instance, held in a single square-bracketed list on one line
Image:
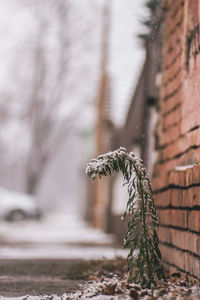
[(61, 252), (119, 289), (183, 168), (57, 236)]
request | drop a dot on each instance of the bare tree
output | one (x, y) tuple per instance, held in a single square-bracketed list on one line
[(43, 88), (42, 104)]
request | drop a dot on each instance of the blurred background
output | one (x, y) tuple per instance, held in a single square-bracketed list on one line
[(69, 72)]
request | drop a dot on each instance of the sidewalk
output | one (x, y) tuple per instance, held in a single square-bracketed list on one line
[(61, 258), (56, 237), (54, 256)]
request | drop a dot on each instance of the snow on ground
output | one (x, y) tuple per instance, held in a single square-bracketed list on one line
[(60, 252), (116, 289), (63, 236), (56, 236), (183, 168)]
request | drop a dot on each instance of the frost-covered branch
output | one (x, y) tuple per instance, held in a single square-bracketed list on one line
[(144, 258)]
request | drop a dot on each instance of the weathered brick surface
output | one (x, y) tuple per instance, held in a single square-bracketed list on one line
[(163, 199), (189, 197), (165, 168), (177, 218), (172, 119), (174, 256), (183, 260), (180, 144), (185, 240), (194, 220), (177, 190)]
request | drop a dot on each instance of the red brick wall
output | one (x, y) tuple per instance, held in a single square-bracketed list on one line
[(177, 190)]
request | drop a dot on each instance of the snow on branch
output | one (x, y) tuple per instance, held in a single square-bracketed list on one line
[(144, 258)]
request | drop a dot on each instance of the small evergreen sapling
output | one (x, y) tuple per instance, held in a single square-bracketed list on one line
[(144, 258)]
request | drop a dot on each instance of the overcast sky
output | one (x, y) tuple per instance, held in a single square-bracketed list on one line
[(18, 31), (127, 55)]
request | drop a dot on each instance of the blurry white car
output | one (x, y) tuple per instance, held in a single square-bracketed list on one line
[(15, 206)]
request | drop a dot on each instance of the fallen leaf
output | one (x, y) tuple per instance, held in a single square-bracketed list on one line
[(93, 277), (109, 289), (134, 294)]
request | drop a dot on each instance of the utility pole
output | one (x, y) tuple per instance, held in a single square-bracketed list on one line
[(104, 124)]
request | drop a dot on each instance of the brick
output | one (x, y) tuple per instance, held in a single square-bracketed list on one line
[(164, 235), (164, 216), (193, 196), (176, 178), (172, 101), (163, 170), (179, 145), (189, 158), (177, 13), (182, 260), (185, 240), (167, 174), (173, 82), (190, 197), (177, 198), (161, 179), (173, 118), (168, 137), (174, 217), (190, 118), (194, 220), (173, 256), (193, 265), (162, 199), (159, 182), (170, 269), (179, 218)]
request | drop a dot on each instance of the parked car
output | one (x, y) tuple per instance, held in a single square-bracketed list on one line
[(15, 206)]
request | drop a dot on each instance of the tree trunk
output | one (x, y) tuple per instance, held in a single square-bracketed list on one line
[(32, 183)]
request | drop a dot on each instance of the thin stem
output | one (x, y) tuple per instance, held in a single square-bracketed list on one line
[(139, 176), (145, 233)]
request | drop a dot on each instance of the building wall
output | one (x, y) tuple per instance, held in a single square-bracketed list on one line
[(176, 179), (137, 134), (100, 195)]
